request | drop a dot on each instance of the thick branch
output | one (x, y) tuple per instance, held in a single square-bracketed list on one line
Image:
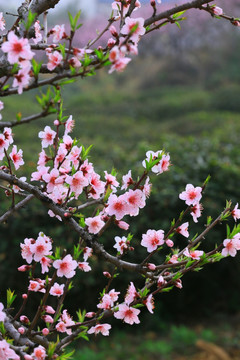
[(24, 120)]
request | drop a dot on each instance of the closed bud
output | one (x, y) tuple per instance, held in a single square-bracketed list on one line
[(21, 330), (24, 319), (24, 296), (45, 331), (107, 275)]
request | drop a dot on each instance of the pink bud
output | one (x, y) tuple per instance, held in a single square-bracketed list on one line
[(90, 314), (49, 309), (153, 3), (28, 357), (122, 224), (67, 214), (236, 23), (47, 319), (24, 268), (45, 331), (217, 10), (24, 319), (169, 243), (111, 42), (113, 31), (106, 273), (24, 296), (21, 330), (151, 266), (56, 122)]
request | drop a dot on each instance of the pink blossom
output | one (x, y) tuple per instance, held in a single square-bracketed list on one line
[(149, 302), (6, 353), (17, 48), (26, 250), (183, 229), (106, 302), (74, 156), (161, 281), (135, 27), (38, 35), (90, 314), (100, 328), (120, 64), (45, 264), (84, 266), (173, 259), (236, 213), (131, 294), (111, 180), (196, 211), (192, 195), (87, 252), (47, 136), (36, 286), (41, 170), (41, 247), (152, 156), (95, 224), (152, 239), (2, 314), (58, 33), (48, 319), (151, 266), (117, 206), (39, 353), (16, 157), (24, 268), (2, 22), (127, 180), (77, 182), (147, 188), (121, 244), (229, 248), (69, 125), (56, 289), (52, 179), (64, 322), (49, 309), (135, 200), (128, 314), (54, 60), (195, 254), (164, 164), (122, 224), (97, 186), (66, 266), (118, 5)]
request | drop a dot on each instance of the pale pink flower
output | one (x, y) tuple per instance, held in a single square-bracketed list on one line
[(16, 157), (95, 224), (135, 27), (173, 259), (6, 353), (69, 125), (192, 195), (121, 244), (117, 206), (40, 248), (2, 22), (127, 180), (47, 136), (152, 239), (120, 64), (56, 289), (164, 164), (236, 213), (45, 264), (106, 302), (149, 302), (97, 186), (58, 33), (161, 281), (39, 353), (114, 295), (52, 179), (66, 266), (111, 180), (17, 48), (26, 251), (54, 60), (61, 327), (38, 35), (196, 211), (131, 294), (135, 200), (194, 254), (37, 175), (74, 156), (183, 229), (64, 322), (87, 252), (147, 188), (77, 182), (87, 168), (16, 188), (100, 328), (118, 5), (42, 158), (2, 314), (229, 248), (128, 314), (60, 156), (36, 286), (84, 266)]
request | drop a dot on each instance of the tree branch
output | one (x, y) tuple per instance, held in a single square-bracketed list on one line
[(11, 211)]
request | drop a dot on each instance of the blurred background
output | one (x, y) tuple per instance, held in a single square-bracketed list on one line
[(182, 93)]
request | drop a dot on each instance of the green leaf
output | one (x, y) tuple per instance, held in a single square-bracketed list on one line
[(30, 19), (10, 297)]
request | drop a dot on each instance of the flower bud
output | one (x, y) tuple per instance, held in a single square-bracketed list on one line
[(217, 10), (169, 243), (45, 331), (151, 266), (107, 275), (49, 309), (24, 296), (21, 330), (24, 268), (113, 31), (90, 314), (56, 122), (24, 319)]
